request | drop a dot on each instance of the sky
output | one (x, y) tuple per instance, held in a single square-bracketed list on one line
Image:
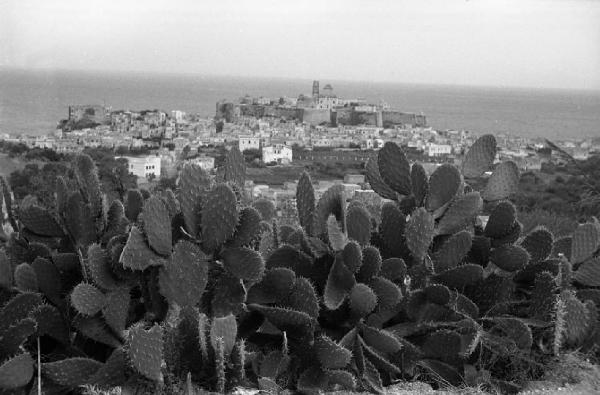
[(513, 43)]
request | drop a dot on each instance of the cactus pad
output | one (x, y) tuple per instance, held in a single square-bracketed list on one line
[(337, 238), (438, 294), (25, 278), (116, 309), (460, 214), (40, 221), (342, 378), (466, 306), (538, 243), (18, 308), (224, 328), (302, 297), (339, 284), (362, 300), (388, 294), (543, 296), (358, 224), (276, 285), (112, 372), (452, 251), (511, 237), (95, 329), (184, 277), (87, 299), (381, 340), (376, 182), (586, 241), (136, 254), (235, 167), (6, 270), (294, 323), (393, 223), (134, 201), (371, 264), (444, 345), (503, 182), (352, 256), (444, 184), (510, 257), (89, 183), (248, 228), (394, 269), (480, 156), (420, 183), (305, 202), (49, 280), (501, 220), (145, 349), (562, 246), (516, 330), (419, 232), (16, 372), (193, 184), (588, 273), (394, 168), (244, 263), (460, 276), (14, 336), (50, 322), (266, 208), (331, 202), (71, 372), (330, 354), (99, 268), (289, 257), (157, 225), (219, 217)]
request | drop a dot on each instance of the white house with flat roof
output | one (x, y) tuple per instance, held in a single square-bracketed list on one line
[(205, 162), (277, 153), (143, 166), (249, 142), (438, 149)]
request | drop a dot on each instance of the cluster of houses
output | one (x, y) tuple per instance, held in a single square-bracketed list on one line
[(319, 127)]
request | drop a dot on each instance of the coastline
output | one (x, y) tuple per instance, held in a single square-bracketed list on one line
[(32, 102)]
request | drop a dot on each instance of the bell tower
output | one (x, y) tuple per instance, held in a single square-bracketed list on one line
[(315, 90)]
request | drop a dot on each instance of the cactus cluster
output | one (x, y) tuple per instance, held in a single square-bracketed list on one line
[(199, 287)]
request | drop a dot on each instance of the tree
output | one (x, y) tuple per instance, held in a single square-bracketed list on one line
[(252, 155), (219, 125), (167, 183), (113, 173), (186, 152)]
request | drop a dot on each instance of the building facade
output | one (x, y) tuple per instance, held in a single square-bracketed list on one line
[(277, 153), (249, 142), (144, 166), (438, 149)]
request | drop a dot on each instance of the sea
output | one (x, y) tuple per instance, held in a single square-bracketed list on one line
[(32, 102)]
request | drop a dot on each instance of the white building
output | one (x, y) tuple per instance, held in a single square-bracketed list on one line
[(177, 115), (277, 153), (249, 142), (143, 166), (327, 102), (263, 100), (205, 162), (438, 149)]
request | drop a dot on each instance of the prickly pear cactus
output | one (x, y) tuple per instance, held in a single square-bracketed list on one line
[(202, 290)]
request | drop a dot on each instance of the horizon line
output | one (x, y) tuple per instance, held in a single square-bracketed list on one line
[(294, 78)]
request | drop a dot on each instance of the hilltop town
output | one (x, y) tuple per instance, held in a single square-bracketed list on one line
[(283, 135)]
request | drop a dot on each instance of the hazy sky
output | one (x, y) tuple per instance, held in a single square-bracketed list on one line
[(536, 43)]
